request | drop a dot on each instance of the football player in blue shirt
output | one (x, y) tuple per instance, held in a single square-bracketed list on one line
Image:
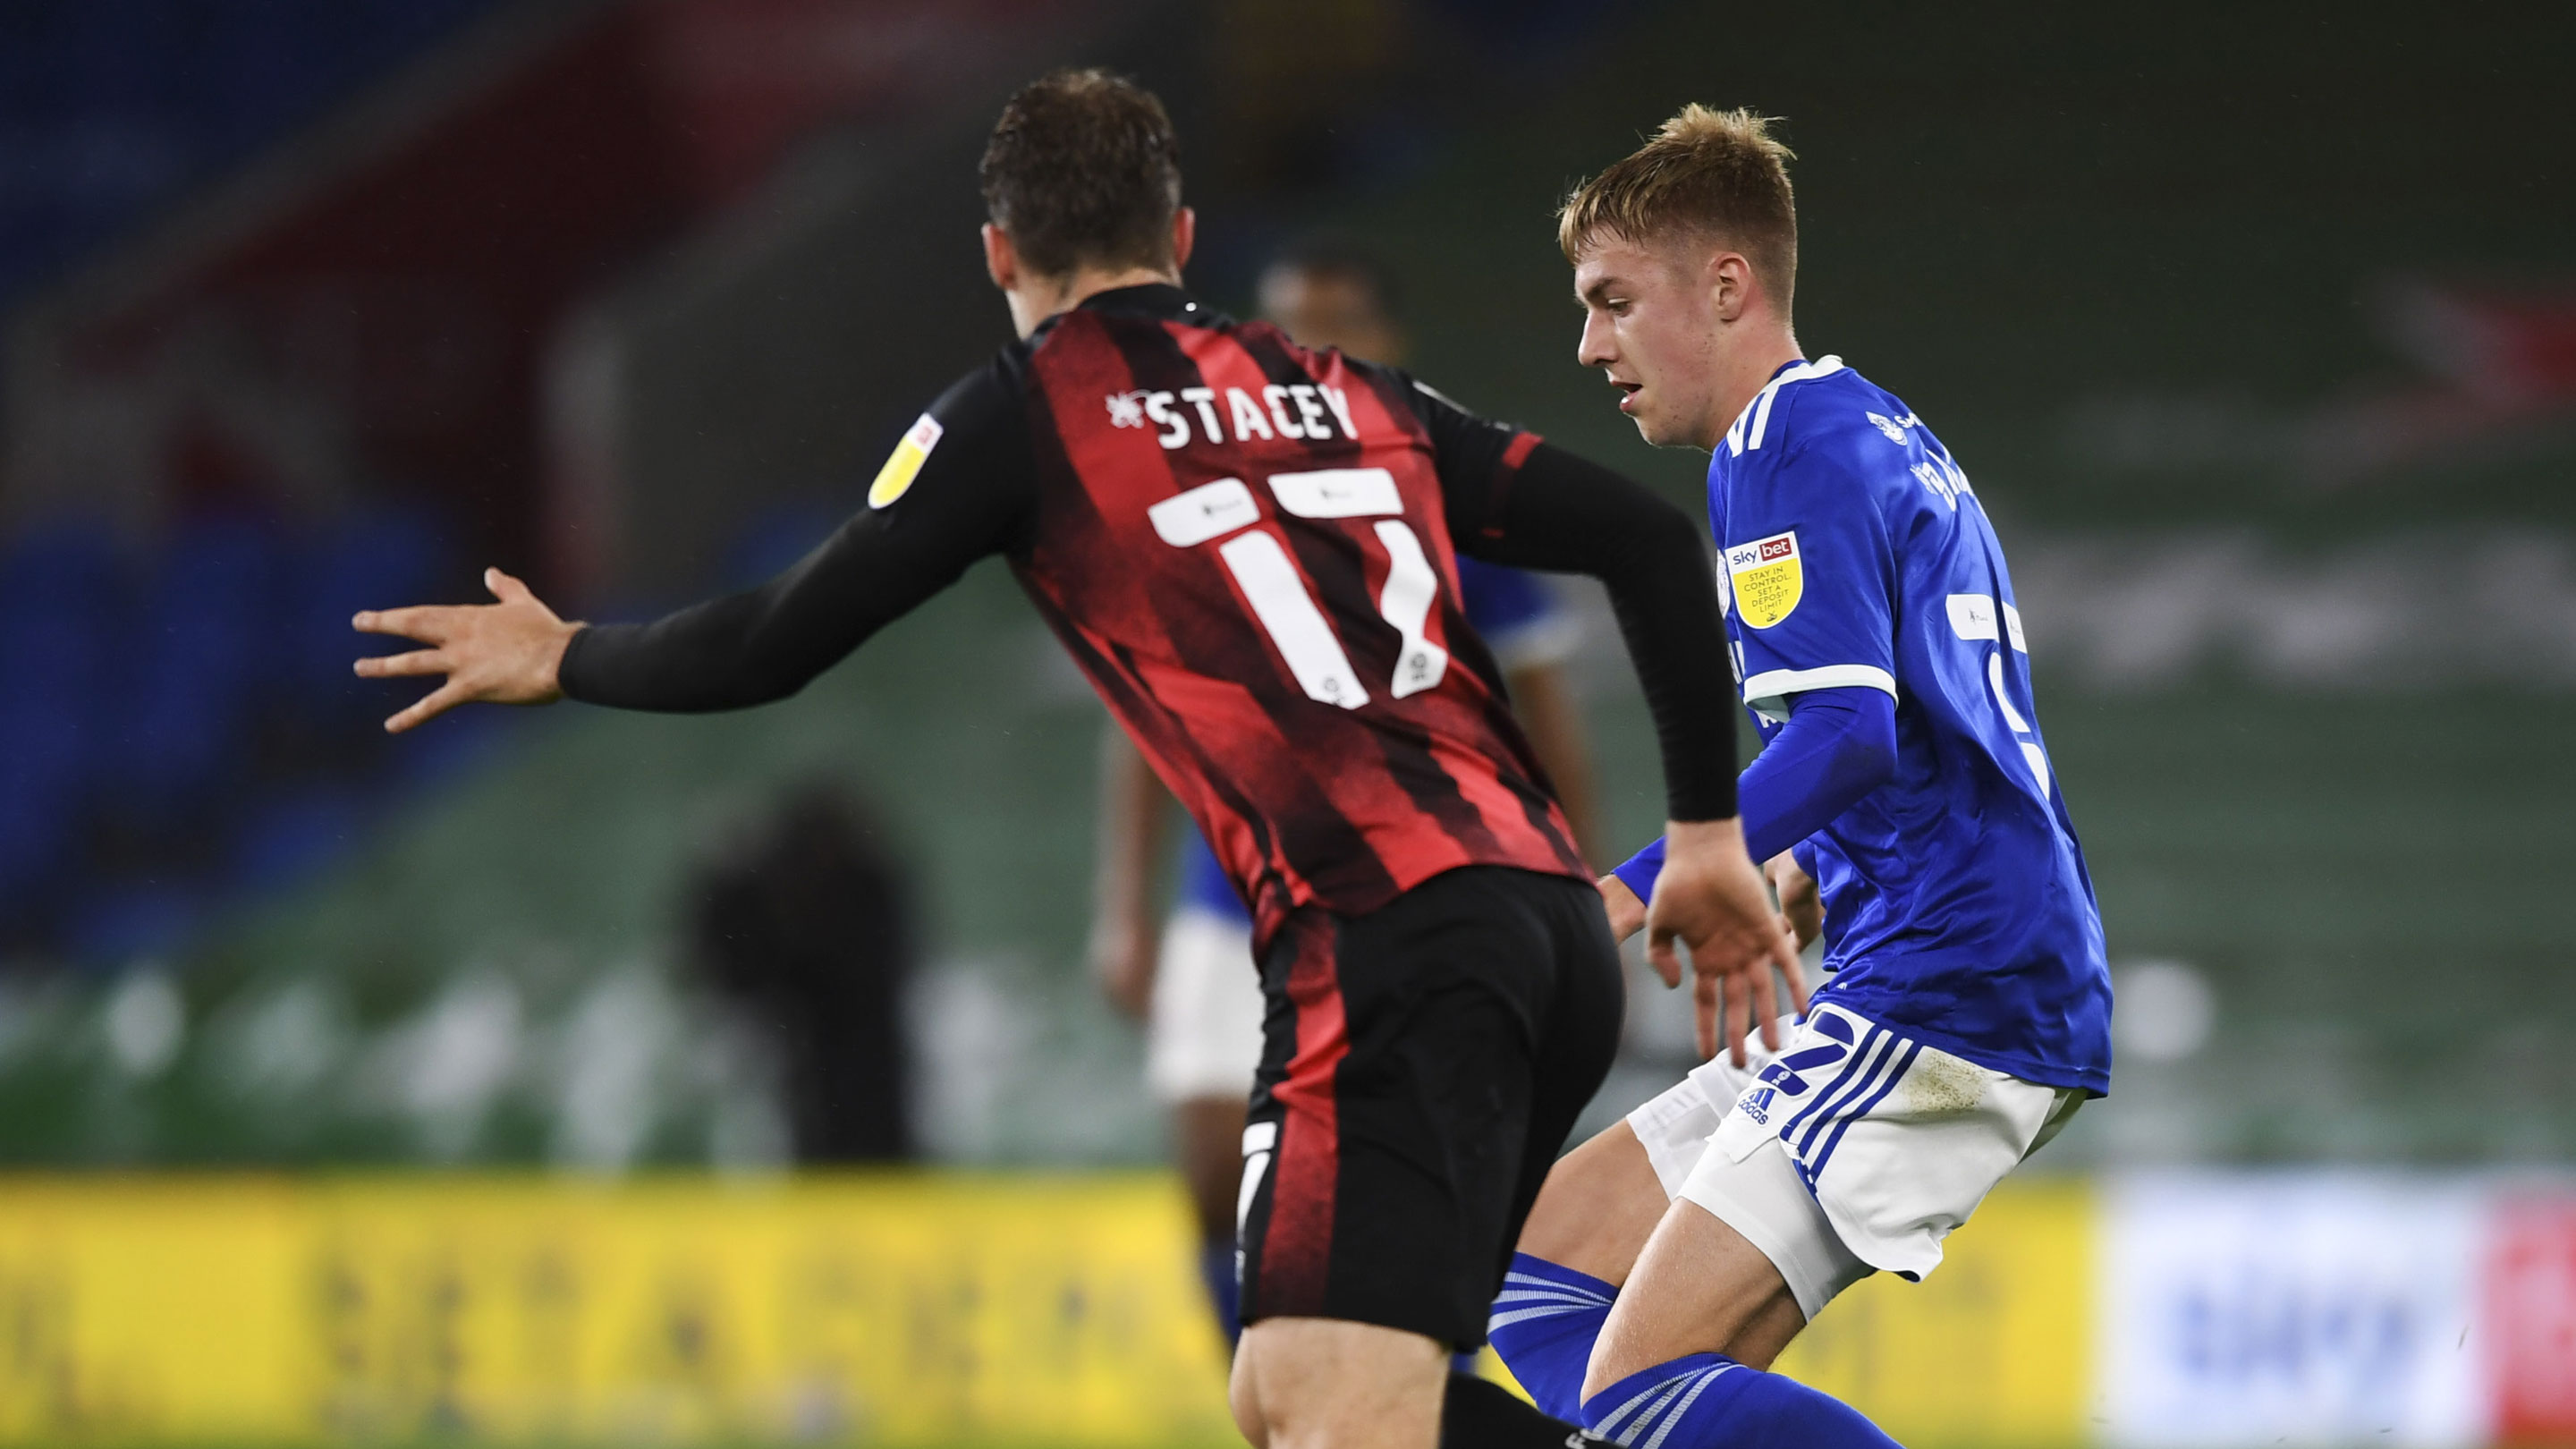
[(1193, 982), (1903, 777)]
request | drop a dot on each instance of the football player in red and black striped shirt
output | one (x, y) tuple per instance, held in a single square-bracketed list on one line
[(1250, 550)]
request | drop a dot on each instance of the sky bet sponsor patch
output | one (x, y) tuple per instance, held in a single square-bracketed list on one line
[(905, 464), (1766, 578)]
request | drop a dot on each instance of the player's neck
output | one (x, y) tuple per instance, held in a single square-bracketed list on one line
[(1036, 299), (1744, 370)]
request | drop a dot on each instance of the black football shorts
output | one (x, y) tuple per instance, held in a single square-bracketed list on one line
[(1421, 1067)]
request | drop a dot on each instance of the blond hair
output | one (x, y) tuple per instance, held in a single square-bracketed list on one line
[(1719, 175)]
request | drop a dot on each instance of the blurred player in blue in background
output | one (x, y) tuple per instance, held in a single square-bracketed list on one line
[(1192, 980), (1903, 774)]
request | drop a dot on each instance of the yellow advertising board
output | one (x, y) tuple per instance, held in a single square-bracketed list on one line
[(899, 1310), (1993, 1349), (933, 1309)]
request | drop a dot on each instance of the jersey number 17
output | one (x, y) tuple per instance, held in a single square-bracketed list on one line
[(1280, 602)]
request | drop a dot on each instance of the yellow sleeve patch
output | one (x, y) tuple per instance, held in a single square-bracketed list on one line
[(904, 465), (1767, 578)]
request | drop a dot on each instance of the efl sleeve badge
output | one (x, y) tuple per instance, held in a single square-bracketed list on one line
[(1766, 579), (904, 464)]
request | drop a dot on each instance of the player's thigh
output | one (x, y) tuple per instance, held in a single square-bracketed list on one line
[(1698, 1286), (1602, 1199), (1320, 1383), (1597, 1208)]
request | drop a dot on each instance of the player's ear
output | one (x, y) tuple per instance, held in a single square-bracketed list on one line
[(1001, 260), (1185, 234), (1730, 284)]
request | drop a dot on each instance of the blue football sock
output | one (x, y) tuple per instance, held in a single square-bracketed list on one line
[(1216, 1269), (1709, 1401), (1543, 1325)]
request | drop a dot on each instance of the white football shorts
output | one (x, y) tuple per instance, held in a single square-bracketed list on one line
[(1203, 1030), (1855, 1149)]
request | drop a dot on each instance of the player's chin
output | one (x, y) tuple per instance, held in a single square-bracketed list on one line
[(1651, 428)]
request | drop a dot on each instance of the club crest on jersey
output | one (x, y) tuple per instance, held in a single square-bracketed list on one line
[(1767, 579), (904, 464)]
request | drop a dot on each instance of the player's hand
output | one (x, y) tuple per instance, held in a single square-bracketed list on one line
[(1123, 960), (1800, 905), (504, 653), (1712, 900), (1627, 913)]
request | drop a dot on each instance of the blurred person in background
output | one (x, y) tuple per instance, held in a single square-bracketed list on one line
[(1442, 994), (806, 926), (1195, 982)]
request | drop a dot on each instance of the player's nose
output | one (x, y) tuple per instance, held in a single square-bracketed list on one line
[(1595, 349)]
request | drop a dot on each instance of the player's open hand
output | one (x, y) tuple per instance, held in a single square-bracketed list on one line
[(503, 653), (1711, 900)]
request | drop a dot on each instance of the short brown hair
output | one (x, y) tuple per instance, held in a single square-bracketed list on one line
[(1719, 174), (1084, 168)]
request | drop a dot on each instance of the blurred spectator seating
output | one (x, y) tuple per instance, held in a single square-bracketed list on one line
[(111, 108), (180, 725)]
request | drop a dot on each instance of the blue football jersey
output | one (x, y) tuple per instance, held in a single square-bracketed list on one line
[(1523, 623), (1957, 904)]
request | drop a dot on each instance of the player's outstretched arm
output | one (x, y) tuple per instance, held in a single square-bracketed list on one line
[(506, 652), (959, 488)]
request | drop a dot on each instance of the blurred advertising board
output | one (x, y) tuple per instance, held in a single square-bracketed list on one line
[(2298, 1309), (956, 1309), (901, 1310), (2530, 1308), (1992, 1349)]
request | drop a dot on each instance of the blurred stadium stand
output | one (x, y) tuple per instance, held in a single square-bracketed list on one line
[(111, 109), (296, 376)]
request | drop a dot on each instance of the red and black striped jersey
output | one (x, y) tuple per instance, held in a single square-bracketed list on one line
[(1247, 547)]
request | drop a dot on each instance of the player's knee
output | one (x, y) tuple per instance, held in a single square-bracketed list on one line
[(1597, 1208), (1313, 1383)]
